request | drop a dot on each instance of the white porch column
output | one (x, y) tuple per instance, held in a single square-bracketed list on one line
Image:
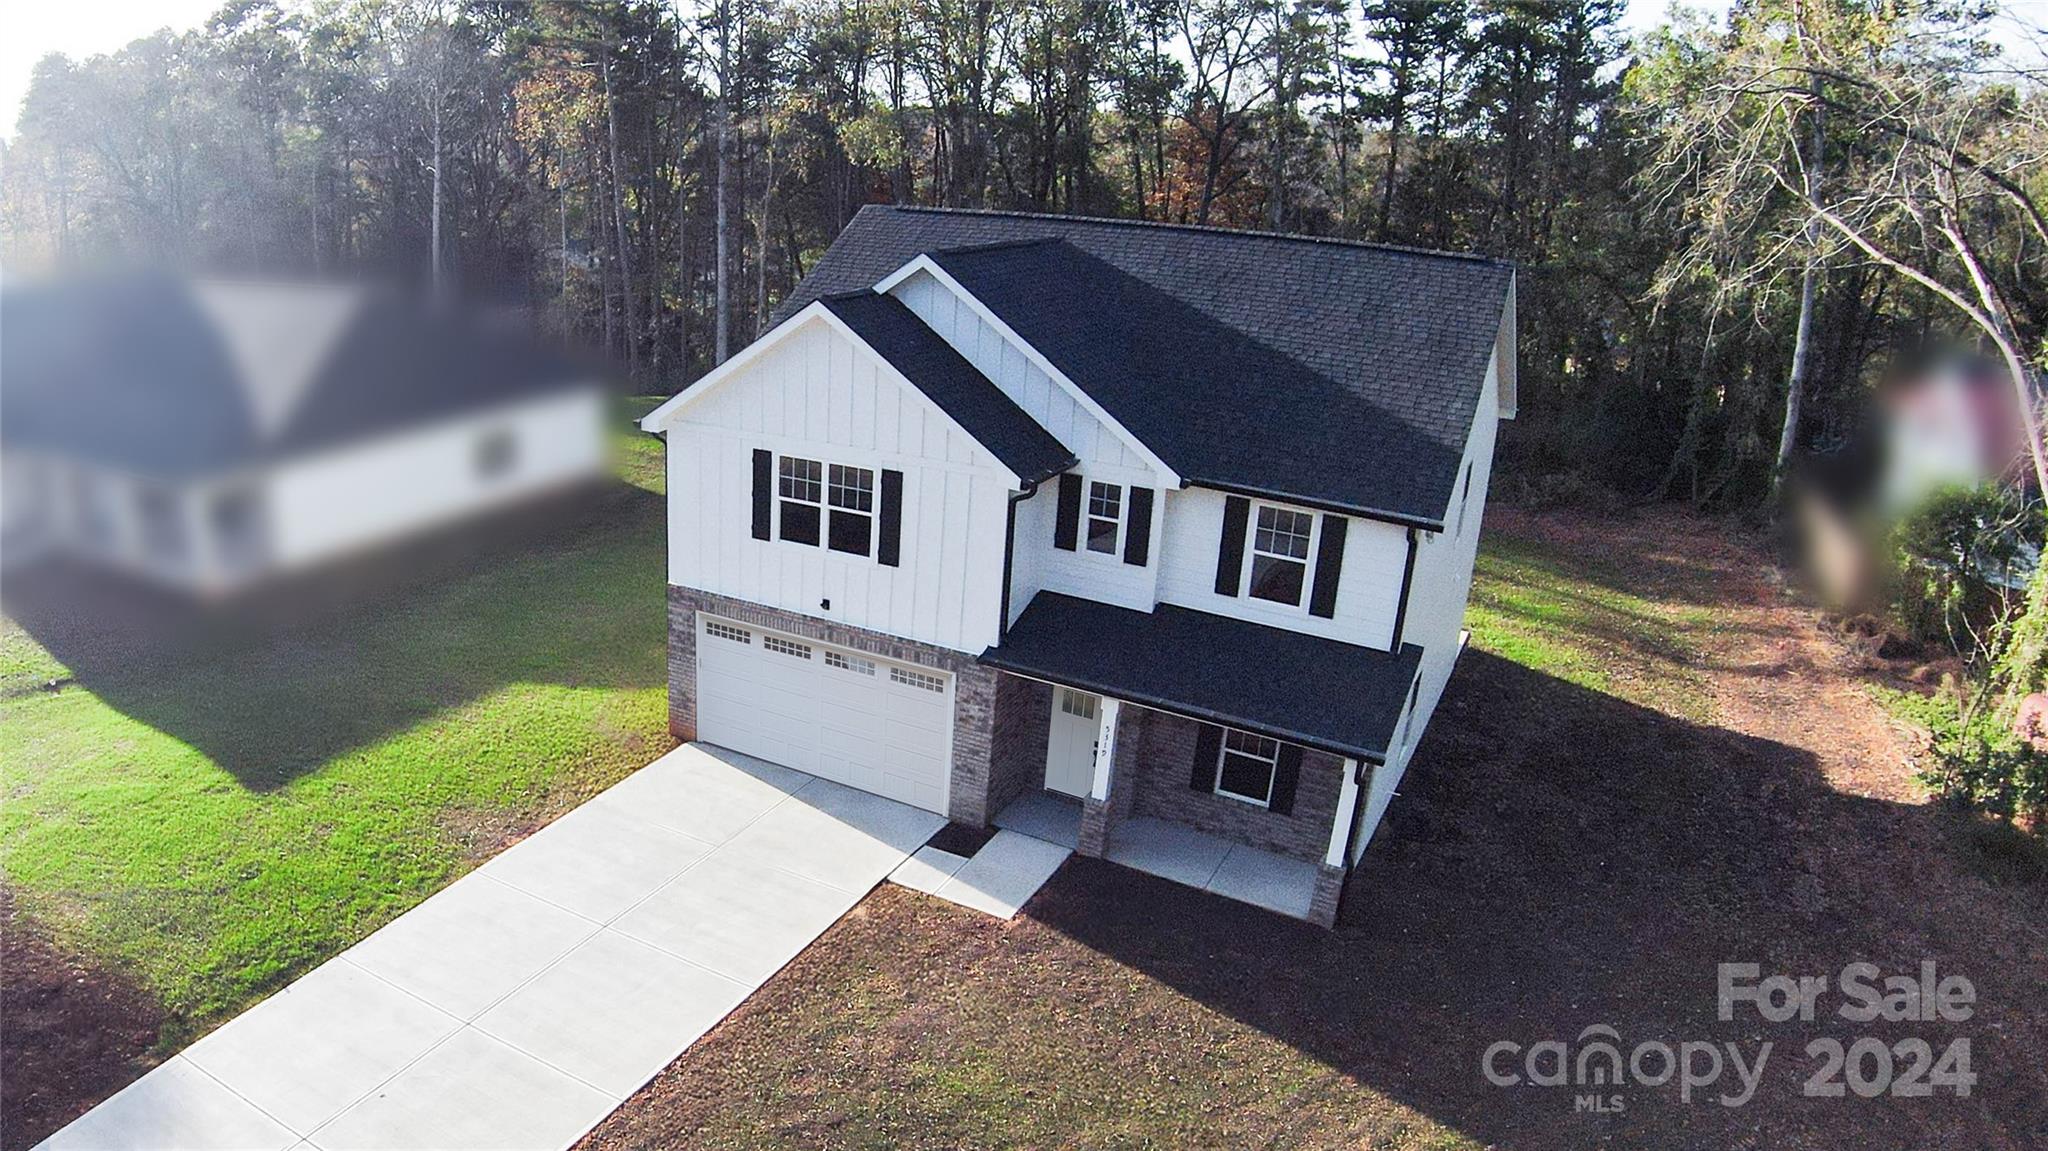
[(1340, 824), (1105, 748)]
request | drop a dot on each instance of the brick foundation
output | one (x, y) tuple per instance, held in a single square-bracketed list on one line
[(974, 686), (1328, 896)]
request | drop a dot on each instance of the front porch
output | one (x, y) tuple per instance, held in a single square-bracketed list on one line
[(1177, 852), (1115, 780)]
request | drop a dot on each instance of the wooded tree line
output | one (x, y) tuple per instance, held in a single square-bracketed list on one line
[(657, 175)]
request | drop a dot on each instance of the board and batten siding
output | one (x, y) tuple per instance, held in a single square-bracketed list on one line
[(819, 395), (1099, 448), (1436, 604), (1368, 590)]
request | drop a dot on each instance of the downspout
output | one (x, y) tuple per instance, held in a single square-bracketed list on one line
[(1029, 489), (1407, 584), (1364, 782)]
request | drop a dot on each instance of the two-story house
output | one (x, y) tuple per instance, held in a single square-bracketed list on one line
[(1176, 522)]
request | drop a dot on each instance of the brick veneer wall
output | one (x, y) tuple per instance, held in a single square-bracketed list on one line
[(1023, 725), (974, 686), (1168, 746), (1100, 817)]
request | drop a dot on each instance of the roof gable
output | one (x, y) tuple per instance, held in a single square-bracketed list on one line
[(1373, 357), (170, 378), (909, 355)]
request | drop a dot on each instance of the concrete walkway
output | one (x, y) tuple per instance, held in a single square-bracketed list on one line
[(520, 1005)]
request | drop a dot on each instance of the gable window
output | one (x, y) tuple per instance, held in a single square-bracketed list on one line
[(1246, 769), (1280, 544), (801, 484), (852, 494), (1105, 513)]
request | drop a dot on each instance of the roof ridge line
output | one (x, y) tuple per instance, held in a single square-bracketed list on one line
[(1209, 229)]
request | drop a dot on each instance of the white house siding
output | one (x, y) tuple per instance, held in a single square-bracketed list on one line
[(367, 493), (1436, 604), (829, 399), (1368, 589)]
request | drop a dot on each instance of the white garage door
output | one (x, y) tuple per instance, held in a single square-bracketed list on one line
[(855, 719)]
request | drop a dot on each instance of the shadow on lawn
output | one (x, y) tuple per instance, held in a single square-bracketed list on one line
[(276, 683), (1561, 858)]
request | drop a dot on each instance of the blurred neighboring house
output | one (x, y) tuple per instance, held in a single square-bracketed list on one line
[(1954, 424), (204, 435)]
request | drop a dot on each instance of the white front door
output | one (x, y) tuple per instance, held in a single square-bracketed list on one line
[(834, 712), (1070, 746)]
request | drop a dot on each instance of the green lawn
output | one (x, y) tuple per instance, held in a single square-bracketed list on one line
[(214, 826), (1573, 617)]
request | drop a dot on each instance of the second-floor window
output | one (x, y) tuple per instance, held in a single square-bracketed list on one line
[(1280, 544), (802, 487), (1105, 514), (852, 494)]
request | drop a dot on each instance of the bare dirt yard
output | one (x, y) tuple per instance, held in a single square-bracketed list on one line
[(1652, 761)]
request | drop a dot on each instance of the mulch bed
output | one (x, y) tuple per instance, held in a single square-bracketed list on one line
[(70, 1034)]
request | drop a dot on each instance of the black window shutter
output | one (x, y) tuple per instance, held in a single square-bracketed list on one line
[(1066, 530), (1286, 777), (889, 547), (764, 493), (1138, 533), (1322, 600), (1208, 754), (1230, 554)]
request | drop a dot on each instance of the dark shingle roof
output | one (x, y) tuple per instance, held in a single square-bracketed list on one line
[(961, 391), (135, 373), (1300, 688), (1333, 372)]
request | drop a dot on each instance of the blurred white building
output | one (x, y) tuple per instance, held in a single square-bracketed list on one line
[(207, 434)]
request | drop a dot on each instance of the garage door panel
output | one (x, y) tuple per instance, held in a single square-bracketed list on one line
[(833, 712)]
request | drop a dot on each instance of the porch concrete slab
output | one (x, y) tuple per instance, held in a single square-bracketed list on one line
[(1266, 880), (1004, 874), (472, 1093), (1167, 850), (704, 792), (1044, 815), (613, 1012), (737, 916), (176, 1105), (345, 1031), (468, 946), (928, 870), (835, 835), (597, 861)]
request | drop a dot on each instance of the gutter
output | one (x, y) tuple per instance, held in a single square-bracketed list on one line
[(1398, 519), (1186, 711)]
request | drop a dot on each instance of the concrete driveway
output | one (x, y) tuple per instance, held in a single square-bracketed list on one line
[(520, 1005)]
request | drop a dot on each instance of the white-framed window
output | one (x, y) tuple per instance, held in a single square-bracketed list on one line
[(1281, 538), (801, 484), (726, 631), (851, 492), (1077, 703), (852, 663), (1105, 516), (497, 451), (1245, 767), (908, 678), (780, 646), (161, 514), (1408, 721)]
